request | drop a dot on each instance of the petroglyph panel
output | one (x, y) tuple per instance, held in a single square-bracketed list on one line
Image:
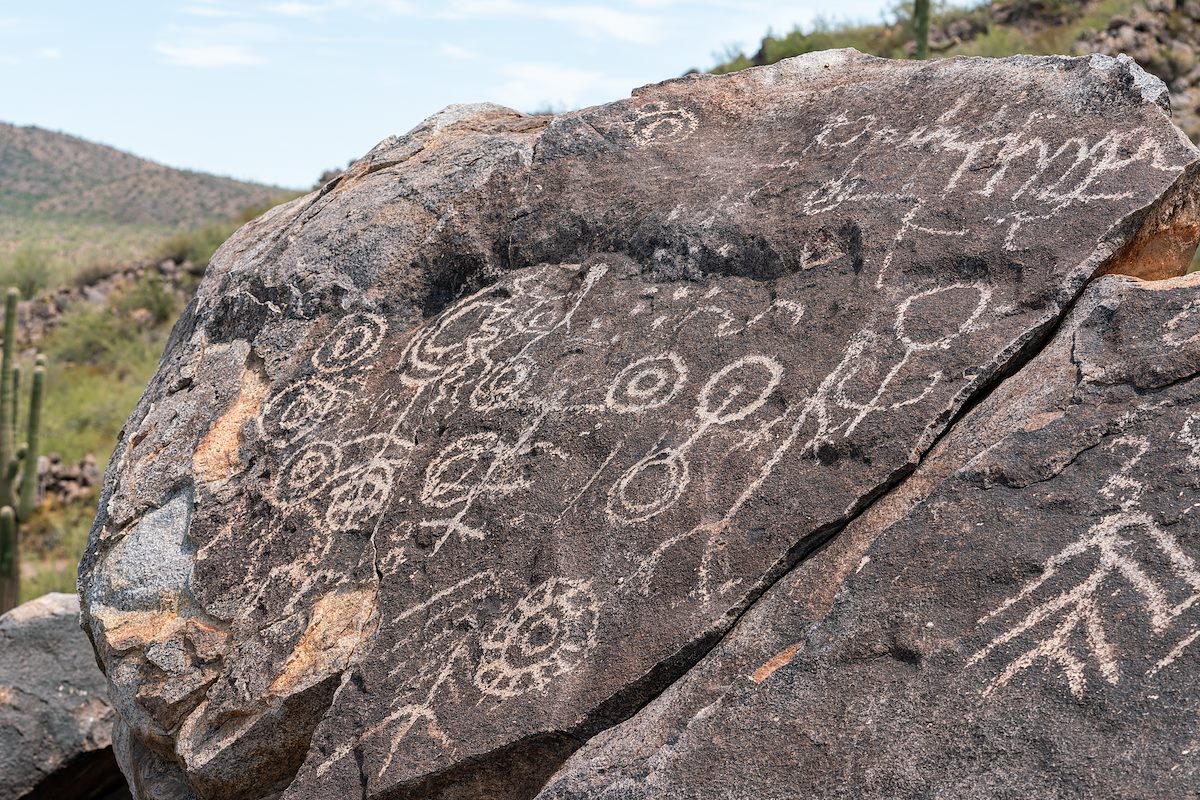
[(1036, 590), (543, 403)]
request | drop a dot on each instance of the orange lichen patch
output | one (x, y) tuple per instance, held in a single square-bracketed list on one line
[(216, 458), (340, 622), (780, 659), (125, 630)]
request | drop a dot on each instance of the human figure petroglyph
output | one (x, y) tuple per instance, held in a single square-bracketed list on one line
[(1116, 542), (828, 413)]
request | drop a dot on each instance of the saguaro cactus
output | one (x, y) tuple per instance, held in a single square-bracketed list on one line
[(18, 464), (921, 27)]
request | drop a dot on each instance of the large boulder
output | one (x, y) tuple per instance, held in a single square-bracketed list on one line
[(55, 719), (463, 459), (1020, 619)]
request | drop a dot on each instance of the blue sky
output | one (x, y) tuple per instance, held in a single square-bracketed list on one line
[(279, 90)]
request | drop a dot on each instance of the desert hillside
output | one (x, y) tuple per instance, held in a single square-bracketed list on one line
[(45, 173), (70, 205)]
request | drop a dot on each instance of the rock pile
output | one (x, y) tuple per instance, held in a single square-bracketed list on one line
[(468, 459), (64, 483), (40, 315), (55, 720), (1164, 38)]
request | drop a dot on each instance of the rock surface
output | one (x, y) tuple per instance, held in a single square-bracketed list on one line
[(462, 460), (55, 720), (1020, 620)]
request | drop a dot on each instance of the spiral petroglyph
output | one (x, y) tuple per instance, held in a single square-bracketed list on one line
[(653, 124)]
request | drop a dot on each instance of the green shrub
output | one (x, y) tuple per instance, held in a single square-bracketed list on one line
[(51, 545), (94, 336), (150, 293), (198, 245), (29, 269)]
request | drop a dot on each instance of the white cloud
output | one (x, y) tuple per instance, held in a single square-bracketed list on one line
[(294, 9), (50, 53), (395, 6), (206, 55), (536, 87), (593, 20), (454, 51), (298, 8), (211, 11)]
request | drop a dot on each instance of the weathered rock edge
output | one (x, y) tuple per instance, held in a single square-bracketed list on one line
[(143, 599)]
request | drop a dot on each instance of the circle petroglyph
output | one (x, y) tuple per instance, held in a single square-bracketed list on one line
[(501, 385), (358, 500), (355, 339), (546, 634), (444, 343), (300, 408), (310, 471), (924, 321), (647, 383), (459, 468), (738, 389), (654, 125), (649, 487)]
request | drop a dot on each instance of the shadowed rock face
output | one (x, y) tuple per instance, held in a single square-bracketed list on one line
[(1020, 621), (462, 460), (55, 719)]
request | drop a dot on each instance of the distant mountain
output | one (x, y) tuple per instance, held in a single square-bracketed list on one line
[(44, 174)]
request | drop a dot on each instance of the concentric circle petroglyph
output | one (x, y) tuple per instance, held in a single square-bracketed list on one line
[(459, 468), (357, 500), (647, 383), (501, 385), (649, 487), (309, 471), (300, 408)]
